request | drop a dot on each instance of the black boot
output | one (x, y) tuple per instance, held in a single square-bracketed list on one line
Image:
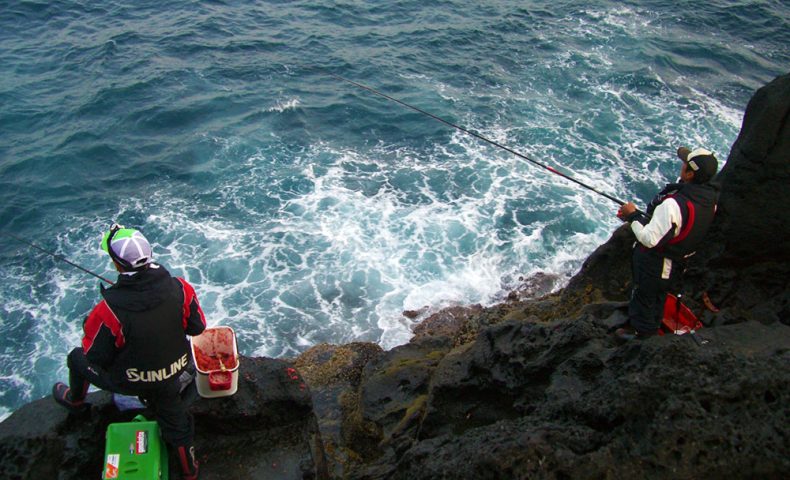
[(62, 394)]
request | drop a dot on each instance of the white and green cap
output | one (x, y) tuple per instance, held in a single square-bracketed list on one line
[(127, 246)]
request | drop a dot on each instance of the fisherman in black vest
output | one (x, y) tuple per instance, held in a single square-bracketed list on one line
[(677, 219), (134, 342)]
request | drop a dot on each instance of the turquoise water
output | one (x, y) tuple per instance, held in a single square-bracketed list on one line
[(305, 210)]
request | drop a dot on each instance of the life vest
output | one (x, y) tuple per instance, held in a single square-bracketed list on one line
[(697, 204), (153, 349)]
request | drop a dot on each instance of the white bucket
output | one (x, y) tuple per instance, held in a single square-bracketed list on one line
[(216, 359)]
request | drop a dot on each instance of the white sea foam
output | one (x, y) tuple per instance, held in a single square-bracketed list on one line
[(17, 380), (42, 315), (351, 238), (284, 104)]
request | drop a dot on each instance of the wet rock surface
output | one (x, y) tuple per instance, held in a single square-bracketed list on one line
[(528, 388)]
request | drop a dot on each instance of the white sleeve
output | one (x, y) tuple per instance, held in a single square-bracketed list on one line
[(665, 216)]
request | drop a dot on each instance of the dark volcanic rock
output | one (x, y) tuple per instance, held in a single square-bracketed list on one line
[(40, 440), (606, 273), (334, 373), (753, 213), (745, 266), (529, 401), (395, 386), (266, 430), (450, 322), (500, 376)]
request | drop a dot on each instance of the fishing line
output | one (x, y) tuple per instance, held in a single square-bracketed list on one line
[(478, 136), (59, 257)]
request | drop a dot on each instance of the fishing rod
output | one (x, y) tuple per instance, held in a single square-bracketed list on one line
[(59, 257), (478, 136)]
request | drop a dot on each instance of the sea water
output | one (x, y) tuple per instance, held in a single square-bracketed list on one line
[(306, 210)]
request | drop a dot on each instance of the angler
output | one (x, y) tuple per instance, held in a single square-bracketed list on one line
[(674, 226), (140, 326)]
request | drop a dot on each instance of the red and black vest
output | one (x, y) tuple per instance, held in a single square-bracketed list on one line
[(697, 204)]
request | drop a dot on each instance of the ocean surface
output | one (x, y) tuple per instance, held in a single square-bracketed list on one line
[(306, 210)]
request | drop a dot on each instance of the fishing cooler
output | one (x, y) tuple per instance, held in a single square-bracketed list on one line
[(135, 451), (216, 358)]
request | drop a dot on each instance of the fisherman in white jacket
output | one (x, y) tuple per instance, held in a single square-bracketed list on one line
[(673, 228)]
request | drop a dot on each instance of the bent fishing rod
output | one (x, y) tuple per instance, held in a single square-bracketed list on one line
[(480, 137), (53, 254)]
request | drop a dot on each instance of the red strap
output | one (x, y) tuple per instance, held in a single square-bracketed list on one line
[(687, 226), (102, 315)]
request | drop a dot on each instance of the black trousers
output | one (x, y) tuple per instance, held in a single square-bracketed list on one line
[(653, 277), (171, 411)]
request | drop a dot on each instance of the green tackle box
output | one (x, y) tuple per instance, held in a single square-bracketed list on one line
[(135, 451)]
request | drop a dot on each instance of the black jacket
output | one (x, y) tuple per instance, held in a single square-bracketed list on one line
[(137, 333)]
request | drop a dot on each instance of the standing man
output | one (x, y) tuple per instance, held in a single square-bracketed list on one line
[(677, 219), (134, 342)]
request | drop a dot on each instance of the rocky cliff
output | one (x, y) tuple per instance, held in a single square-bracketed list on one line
[(529, 388)]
